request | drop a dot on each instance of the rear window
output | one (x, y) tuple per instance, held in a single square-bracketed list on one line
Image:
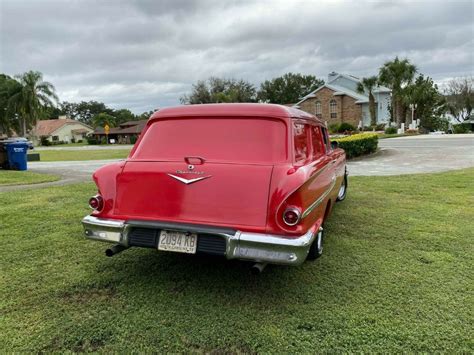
[(215, 139)]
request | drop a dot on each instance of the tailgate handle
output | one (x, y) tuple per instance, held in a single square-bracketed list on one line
[(194, 160)]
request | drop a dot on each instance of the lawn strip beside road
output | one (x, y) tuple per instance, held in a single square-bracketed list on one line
[(79, 155), (12, 177), (396, 276)]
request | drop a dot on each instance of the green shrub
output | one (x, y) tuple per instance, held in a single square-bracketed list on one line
[(380, 127), (358, 144), (133, 139), (333, 128), (391, 130), (346, 127), (91, 140), (461, 128), (45, 142)]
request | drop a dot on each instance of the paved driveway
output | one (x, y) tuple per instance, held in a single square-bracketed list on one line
[(404, 155), (417, 154)]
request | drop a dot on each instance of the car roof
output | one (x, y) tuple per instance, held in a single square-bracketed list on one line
[(234, 110)]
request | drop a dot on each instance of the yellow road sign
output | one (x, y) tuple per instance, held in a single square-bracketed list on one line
[(106, 129)]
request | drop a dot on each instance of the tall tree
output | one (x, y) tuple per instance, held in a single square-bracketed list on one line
[(8, 86), (367, 85), (430, 104), (396, 74), (84, 111), (217, 90), (31, 99), (123, 115), (288, 89), (460, 96), (102, 119), (145, 115)]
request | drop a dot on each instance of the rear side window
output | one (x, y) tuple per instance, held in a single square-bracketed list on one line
[(317, 139), (326, 138), (300, 136), (251, 140)]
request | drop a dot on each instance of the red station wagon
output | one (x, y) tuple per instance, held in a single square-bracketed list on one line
[(246, 181)]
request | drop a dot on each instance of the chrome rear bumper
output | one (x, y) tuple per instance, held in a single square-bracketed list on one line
[(265, 248)]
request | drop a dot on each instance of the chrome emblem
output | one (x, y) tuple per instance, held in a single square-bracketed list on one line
[(188, 181)]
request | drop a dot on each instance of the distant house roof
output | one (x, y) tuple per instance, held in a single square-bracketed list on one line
[(135, 129), (47, 127), (342, 90), (130, 127), (129, 123)]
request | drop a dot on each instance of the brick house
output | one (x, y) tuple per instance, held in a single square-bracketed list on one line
[(338, 101)]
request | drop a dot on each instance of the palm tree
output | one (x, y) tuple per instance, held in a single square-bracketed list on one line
[(368, 85), (31, 98), (396, 74)]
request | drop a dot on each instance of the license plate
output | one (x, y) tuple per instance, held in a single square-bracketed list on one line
[(181, 242)]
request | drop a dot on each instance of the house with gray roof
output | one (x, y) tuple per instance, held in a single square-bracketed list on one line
[(339, 101)]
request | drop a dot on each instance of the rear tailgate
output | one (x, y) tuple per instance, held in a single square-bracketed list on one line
[(225, 193)]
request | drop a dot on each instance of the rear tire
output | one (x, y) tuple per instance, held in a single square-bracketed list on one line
[(341, 195), (316, 249)]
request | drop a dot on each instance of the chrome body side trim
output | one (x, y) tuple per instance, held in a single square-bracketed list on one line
[(258, 247), (316, 203)]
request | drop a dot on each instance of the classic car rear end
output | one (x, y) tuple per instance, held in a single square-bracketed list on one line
[(214, 179)]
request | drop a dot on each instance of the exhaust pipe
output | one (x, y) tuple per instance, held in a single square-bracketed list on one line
[(257, 268), (117, 248)]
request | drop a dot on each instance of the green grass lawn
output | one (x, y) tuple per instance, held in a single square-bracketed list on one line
[(99, 154), (11, 177), (396, 275)]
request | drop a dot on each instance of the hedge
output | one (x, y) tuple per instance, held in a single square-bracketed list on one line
[(358, 144)]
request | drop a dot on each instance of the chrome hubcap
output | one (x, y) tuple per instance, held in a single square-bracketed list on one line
[(342, 190)]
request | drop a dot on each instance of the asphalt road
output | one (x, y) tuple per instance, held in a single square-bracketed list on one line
[(403, 155)]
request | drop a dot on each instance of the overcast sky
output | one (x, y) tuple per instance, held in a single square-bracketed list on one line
[(146, 54)]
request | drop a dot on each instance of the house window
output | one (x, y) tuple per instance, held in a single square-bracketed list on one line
[(318, 109), (333, 108), (55, 138)]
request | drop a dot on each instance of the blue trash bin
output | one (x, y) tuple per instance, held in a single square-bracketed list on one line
[(16, 153)]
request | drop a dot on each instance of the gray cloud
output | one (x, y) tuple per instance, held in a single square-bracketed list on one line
[(145, 54)]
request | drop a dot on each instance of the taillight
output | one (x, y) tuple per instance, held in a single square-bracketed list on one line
[(96, 203), (291, 216)]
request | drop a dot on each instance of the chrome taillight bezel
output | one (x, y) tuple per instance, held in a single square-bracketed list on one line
[(295, 210), (100, 203)]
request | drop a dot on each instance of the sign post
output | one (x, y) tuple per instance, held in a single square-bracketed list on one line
[(106, 130)]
